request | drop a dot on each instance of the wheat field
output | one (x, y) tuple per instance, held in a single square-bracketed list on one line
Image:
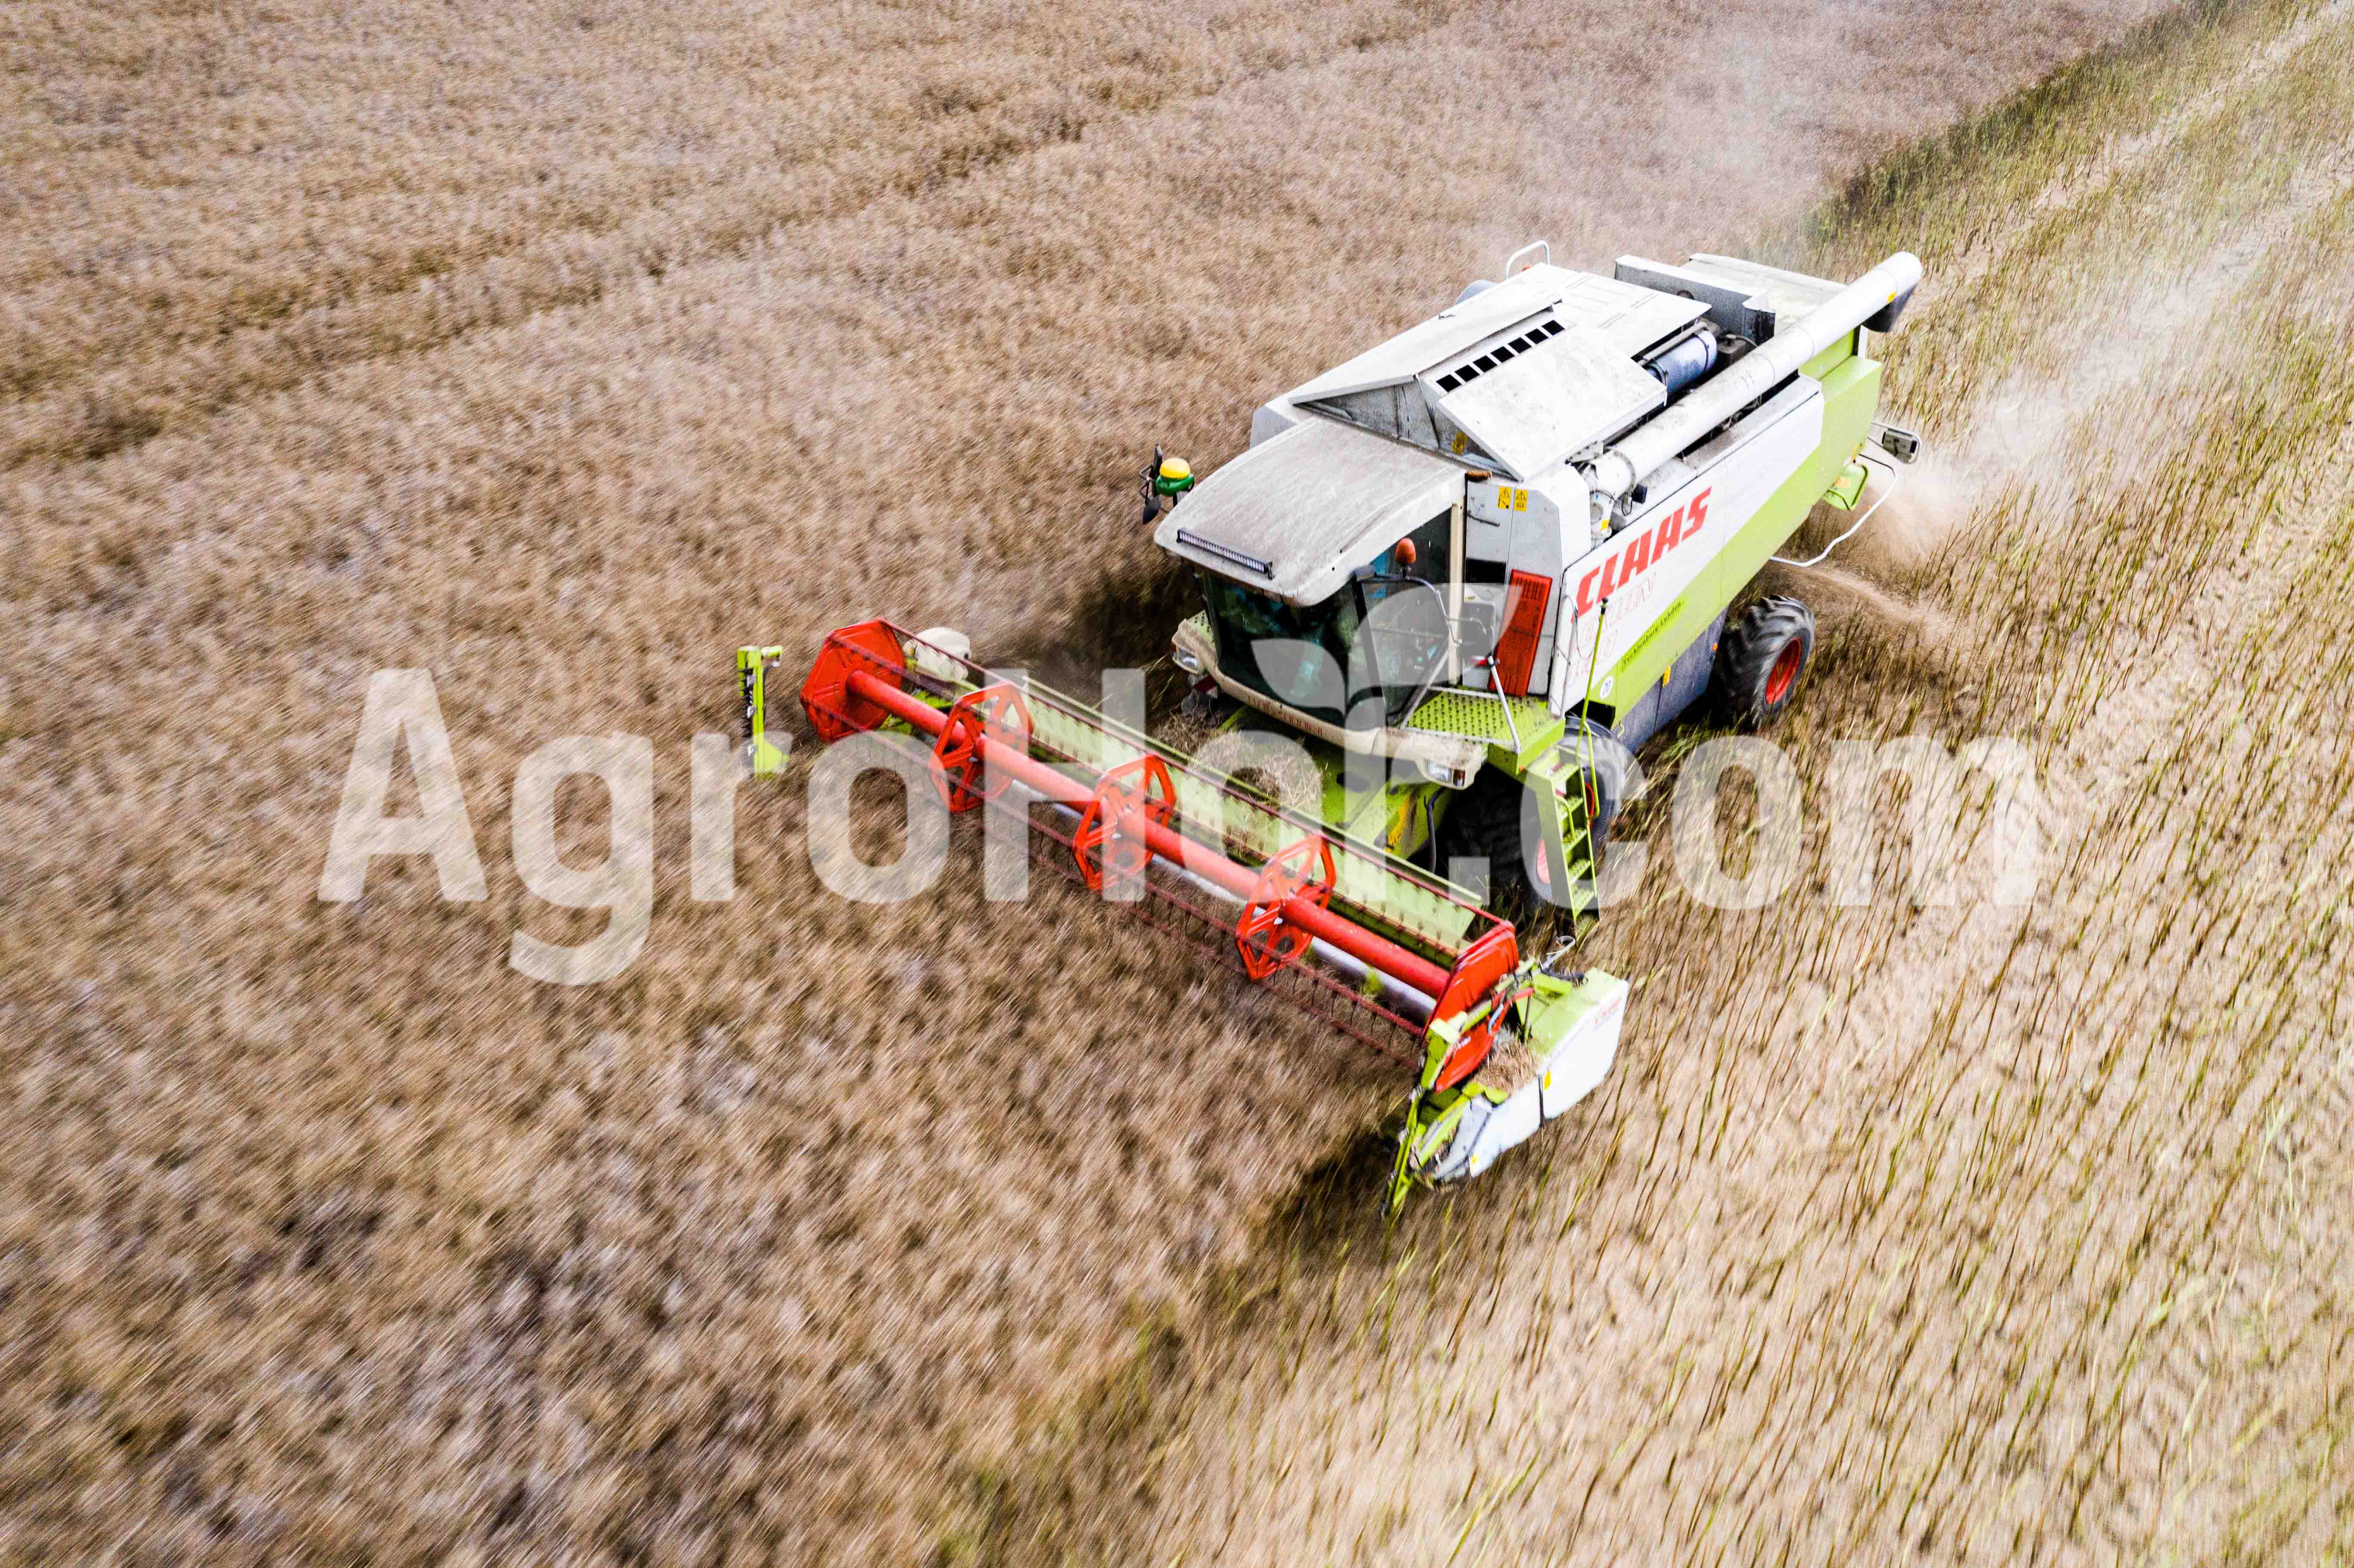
[(559, 350)]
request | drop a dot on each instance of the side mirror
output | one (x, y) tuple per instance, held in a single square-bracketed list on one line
[(1151, 472)]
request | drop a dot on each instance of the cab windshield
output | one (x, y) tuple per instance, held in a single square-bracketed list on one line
[(1363, 654)]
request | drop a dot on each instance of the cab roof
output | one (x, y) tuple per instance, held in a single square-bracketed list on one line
[(1294, 514)]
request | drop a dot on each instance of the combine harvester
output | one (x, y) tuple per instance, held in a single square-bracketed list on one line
[(1462, 573)]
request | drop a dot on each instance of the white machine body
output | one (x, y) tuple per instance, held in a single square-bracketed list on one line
[(1548, 415)]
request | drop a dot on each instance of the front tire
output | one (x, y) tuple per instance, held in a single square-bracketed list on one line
[(1496, 820), (1761, 660)]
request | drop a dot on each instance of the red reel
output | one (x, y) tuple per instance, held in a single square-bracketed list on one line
[(958, 766), (872, 647), (1268, 941), (1110, 843)]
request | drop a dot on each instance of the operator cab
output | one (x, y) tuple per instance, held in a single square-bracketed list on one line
[(1360, 657)]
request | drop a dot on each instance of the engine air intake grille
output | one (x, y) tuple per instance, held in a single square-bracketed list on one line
[(1465, 374)]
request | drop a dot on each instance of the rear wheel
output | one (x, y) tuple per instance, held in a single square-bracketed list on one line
[(1761, 660)]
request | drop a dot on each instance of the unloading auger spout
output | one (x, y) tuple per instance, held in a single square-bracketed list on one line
[(1872, 302)]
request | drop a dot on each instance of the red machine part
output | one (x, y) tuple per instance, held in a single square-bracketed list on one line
[(1110, 843), (859, 682), (959, 764), (1516, 650), (1266, 939), (1365, 947), (1481, 965), (871, 648)]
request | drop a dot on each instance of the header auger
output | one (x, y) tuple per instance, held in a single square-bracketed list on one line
[(1462, 576)]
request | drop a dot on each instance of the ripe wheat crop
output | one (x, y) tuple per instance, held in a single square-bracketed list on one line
[(559, 350)]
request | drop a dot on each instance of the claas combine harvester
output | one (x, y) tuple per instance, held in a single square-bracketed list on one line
[(1461, 574)]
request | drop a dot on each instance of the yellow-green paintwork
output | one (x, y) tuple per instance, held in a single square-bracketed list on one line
[(752, 681), (1547, 1008), (1481, 715)]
